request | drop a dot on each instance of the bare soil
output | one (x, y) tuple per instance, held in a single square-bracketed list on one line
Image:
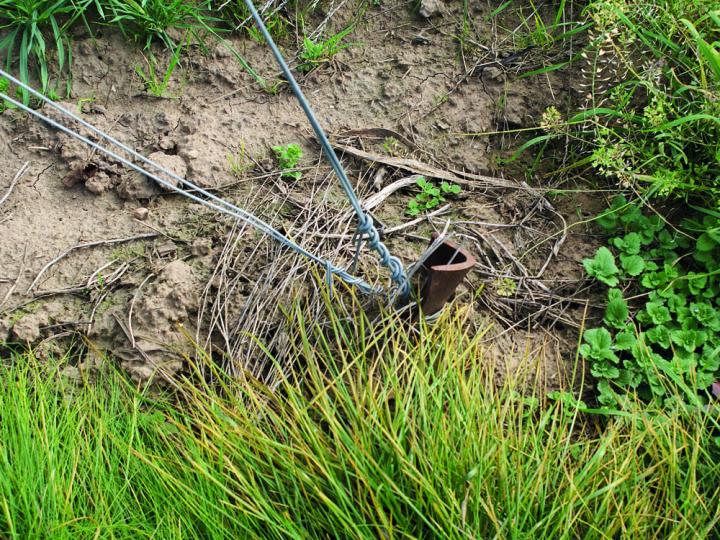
[(201, 280)]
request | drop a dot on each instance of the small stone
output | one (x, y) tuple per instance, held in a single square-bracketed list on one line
[(493, 73), (430, 8), (222, 51), (141, 213), (201, 247), (168, 248)]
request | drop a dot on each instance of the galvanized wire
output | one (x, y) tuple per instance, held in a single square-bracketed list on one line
[(211, 201), (366, 226)]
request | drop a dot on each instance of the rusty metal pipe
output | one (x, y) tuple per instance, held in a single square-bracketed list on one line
[(445, 269)]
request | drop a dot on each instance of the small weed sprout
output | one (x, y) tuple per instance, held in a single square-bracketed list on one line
[(505, 287), (81, 102), (392, 146), (552, 120), (316, 53), (239, 162), (430, 196), (288, 157), (155, 85)]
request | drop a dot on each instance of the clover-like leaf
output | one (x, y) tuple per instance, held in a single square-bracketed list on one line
[(705, 242), (603, 267), (630, 377), (653, 280), (625, 341), (659, 314), (705, 379), (598, 345), (659, 335), (696, 282), (606, 395), (710, 358), (633, 265), (617, 311), (688, 339), (604, 370), (706, 315), (676, 301), (667, 240), (629, 244)]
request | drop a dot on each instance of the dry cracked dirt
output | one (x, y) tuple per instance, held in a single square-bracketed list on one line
[(101, 259)]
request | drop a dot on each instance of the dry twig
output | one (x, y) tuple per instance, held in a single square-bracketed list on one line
[(24, 169), (83, 246)]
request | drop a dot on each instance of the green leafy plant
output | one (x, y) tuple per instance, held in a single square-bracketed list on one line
[(602, 267), (430, 195), (288, 157), (657, 127), (650, 114), (315, 53), (674, 272)]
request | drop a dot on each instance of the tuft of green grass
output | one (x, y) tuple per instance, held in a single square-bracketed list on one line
[(315, 53), (379, 431), (149, 20), (34, 33), (155, 85), (36, 30)]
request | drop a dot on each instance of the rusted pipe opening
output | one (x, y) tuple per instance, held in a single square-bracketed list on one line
[(444, 269)]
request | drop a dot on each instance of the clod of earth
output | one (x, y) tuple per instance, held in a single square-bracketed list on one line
[(161, 316), (175, 164), (99, 183), (134, 186), (430, 8)]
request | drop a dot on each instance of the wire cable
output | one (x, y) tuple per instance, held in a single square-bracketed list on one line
[(366, 226), (216, 203)]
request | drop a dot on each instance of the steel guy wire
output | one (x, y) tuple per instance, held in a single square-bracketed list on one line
[(217, 203), (366, 226)]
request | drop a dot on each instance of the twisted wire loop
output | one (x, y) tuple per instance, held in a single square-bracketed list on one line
[(211, 201), (366, 225), (368, 232)]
